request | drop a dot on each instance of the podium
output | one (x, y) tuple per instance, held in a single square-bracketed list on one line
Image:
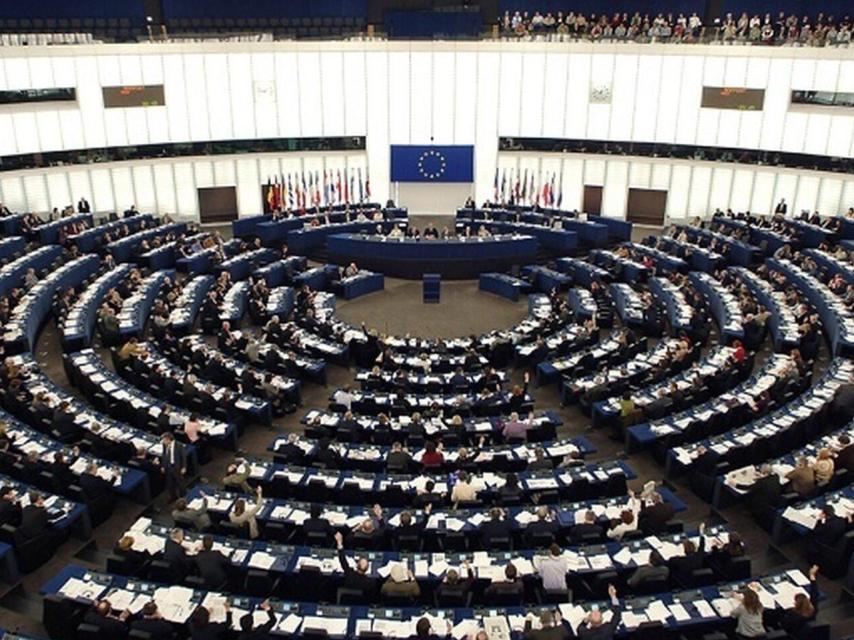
[(432, 287)]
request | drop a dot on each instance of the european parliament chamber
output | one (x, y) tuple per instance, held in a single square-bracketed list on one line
[(447, 319)]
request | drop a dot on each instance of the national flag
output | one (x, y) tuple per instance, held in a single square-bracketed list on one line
[(516, 188), (546, 193), (270, 194), (503, 185), (346, 190), (552, 191), (340, 195), (531, 189), (495, 186), (316, 187), (361, 187), (525, 186), (535, 194), (352, 185), (290, 193), (560, 192), (367, 184), (304, 199)]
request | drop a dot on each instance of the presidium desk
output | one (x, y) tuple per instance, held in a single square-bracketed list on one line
[(411, 258)]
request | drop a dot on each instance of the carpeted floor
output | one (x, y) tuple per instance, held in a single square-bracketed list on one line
[(399, 310)]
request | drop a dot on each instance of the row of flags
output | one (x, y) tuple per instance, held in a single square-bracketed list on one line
[(517, 187), (308, 189)]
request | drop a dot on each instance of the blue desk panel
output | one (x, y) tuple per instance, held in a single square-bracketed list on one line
[(408, 258)]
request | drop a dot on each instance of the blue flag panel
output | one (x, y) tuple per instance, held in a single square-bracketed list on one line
[(431, 163)]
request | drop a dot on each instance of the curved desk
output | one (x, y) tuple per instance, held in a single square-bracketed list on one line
[(408, 258)]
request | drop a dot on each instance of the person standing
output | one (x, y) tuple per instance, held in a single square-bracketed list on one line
[(83, 206), (173, 461)]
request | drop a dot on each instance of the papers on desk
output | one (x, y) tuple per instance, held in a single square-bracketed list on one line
[(465, 628), (261, 560), (805, 516), (175, 603), (123, 600), (289, 624), (704, 609), (785, 594), (332, 626), (724, 606), (657, 611), (80, 589), (679, 612)]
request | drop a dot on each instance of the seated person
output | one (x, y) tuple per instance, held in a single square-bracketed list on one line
[(586, 530), (656, 571), (401, 583), (512, 585), (108, 623)]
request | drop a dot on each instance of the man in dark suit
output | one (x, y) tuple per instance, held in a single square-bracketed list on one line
[(108, 624), (63, 427), (595, 628), (316, 524), (654, 517), (355, 578), (173, 461), (830, 527), (94, 487), (845, 454), (551, 628), (587, 529), (495, 528), (176, 556), (212, 565), (764, 495), (248, 630), (544, 525), (10, 510), (659, 407), (35, 522), (153, 623), (83, 206)]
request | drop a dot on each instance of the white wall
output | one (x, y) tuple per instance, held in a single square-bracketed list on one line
[(694, 188), (163, 186), (447, 93)]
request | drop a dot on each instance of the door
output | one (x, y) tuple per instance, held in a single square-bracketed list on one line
[(647, 206), (217, 204), (592, 200)]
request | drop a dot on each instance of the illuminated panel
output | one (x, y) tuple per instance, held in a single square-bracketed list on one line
[(123, 187), (242, 103), (615, 193), (331, 83), (807, 194), (577, 92), (185, 189), (13, 193), (287, 90), (219, 106), (177, 109), (264, 96), (197, 97), (698, 196), (248, 194), (762, 201), (355, 89), (533, 87), (623, 107), (421, 100), (509, 104), (143, 182), (398, 96), (102, 186), (164, 184), (309, 96), (677, 194), (465, 96), (646, 97), (57, 189), (35, 188), (742, 186), (444, 82)]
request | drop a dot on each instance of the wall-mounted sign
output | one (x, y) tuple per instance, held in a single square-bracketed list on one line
[(738, 98), (149, 95)]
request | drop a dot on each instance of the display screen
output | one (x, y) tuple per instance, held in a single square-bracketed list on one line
[(150, 95), (733, 98), (823, 99), (22, 96)]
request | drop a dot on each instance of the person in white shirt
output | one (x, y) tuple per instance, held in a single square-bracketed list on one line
[(628, 520), (463, 491), (344, 397), (552, 569)]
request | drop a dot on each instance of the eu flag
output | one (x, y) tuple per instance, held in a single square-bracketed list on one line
[(431, 163)]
